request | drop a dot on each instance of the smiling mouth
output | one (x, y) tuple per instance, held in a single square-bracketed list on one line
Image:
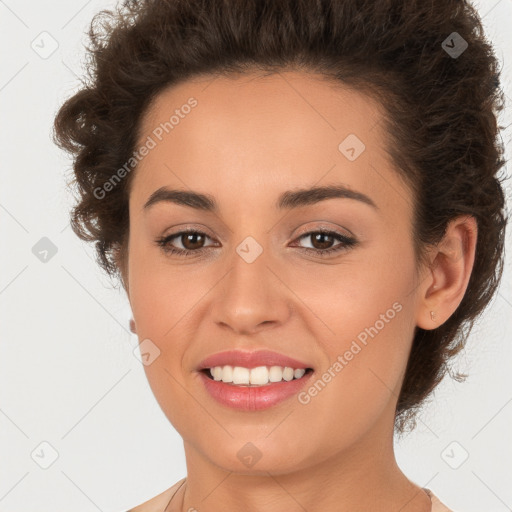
[(208, 374)]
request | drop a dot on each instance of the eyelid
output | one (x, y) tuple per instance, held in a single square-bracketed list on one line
[(326, 227), (187, 227), (346, 242), (308, 229)]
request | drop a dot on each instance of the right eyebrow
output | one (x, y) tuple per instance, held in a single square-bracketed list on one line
[(192, 199)]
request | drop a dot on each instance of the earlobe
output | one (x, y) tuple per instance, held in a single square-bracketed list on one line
[(451, 267)]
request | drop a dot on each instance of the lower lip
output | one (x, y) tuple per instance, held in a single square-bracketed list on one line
[(255, 398)]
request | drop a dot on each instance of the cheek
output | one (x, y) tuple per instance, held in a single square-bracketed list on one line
[(159, 293), (161, 300), (351, 296), (359, 384), (364, 322)]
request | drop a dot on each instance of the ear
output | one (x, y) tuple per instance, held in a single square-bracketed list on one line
[(446, 281), (120, 258), (121, 261)]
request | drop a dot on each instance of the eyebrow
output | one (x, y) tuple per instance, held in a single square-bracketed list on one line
[(287, 200)]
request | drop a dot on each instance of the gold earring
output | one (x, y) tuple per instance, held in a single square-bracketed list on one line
[(433, 316)]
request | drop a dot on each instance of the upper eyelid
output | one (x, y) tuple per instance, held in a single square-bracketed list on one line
[(325, 228), (321, 225), (308, 232), (178, 234), (339, 237)]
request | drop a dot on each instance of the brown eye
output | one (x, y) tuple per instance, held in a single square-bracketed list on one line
[(321, 240), (191, 241)]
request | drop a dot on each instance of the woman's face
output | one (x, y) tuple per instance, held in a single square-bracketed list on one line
[(250, 282)]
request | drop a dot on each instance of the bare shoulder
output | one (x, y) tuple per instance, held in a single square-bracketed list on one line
[(159, 502)]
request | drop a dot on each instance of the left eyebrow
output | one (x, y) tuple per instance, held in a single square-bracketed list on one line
[(287, 200), (305, 197)]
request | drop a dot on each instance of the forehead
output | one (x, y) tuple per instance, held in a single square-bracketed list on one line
[(256, 134)]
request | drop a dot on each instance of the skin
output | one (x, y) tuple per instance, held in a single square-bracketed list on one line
[(249, 139)]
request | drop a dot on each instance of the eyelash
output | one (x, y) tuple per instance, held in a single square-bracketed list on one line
[(346, 244)]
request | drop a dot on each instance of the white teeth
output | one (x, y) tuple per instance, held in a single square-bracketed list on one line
[(226, 373), (240, 375), (288, 374), (275, 374), (299, 373), (259, 376)]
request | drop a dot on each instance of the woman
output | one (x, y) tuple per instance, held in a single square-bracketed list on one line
[(301, 200)]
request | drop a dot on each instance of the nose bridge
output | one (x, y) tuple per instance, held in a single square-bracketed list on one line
[(250, 295)]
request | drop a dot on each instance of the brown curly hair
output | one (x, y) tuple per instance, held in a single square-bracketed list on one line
[(441, 118)]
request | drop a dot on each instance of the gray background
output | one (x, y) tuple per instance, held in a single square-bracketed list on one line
[(68, 377)]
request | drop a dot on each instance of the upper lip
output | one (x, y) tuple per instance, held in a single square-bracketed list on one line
[(251, 359)]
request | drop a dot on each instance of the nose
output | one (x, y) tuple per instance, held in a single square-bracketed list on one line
[(251, 297)]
